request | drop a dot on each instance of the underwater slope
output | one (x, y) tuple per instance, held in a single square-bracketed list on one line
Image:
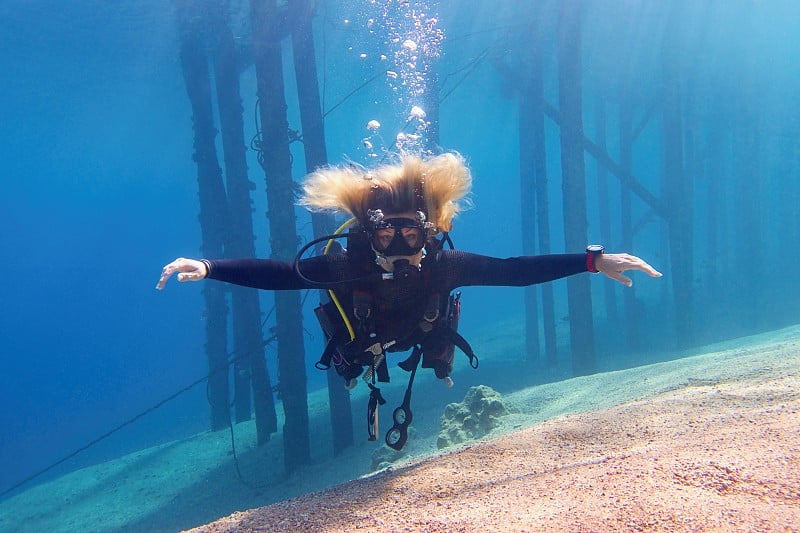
[(706, 442), (718, 449)]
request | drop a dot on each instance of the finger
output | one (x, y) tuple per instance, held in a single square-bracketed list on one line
[(190, 276), (161, 282), (625, 280), (650, 271), (166, 273), (632, 262)]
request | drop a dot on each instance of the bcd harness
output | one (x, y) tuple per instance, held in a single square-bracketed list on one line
[(354, 346)]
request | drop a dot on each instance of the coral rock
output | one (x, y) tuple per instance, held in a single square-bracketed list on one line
[(476, 416)]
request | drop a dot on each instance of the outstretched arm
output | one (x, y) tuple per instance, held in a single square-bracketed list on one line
[(267, 274), (459, 268), (257, 273)]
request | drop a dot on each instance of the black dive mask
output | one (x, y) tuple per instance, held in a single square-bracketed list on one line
[(408, 236)]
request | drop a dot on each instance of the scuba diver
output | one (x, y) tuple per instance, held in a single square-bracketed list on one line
[(392, 284)]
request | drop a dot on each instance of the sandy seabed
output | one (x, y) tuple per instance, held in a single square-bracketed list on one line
[(704, 443), (714, 453), (712, 456)]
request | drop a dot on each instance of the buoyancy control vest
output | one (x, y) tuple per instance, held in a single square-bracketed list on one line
[(407, 312)]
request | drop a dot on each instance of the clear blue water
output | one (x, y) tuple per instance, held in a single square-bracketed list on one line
[(100, 191)]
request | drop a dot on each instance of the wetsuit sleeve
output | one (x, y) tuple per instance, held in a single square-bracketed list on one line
[(462, 269), (275, 275)]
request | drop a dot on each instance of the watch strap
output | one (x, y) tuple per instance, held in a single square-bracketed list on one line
[(592, 251), (590, 263)]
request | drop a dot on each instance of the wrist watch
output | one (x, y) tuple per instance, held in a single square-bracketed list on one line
[(592, 251)]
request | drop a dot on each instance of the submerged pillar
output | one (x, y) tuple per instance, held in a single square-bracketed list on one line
[(267, 20), (250, 367), (213, 210), (316, 154), (570, 83)]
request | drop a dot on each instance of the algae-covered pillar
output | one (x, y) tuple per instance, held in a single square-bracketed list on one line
[(573, 175), (532, 169), (316, 155), (250, 367), (267, 23), (533, 192), (213, 210), (531, 164), (532, 108)]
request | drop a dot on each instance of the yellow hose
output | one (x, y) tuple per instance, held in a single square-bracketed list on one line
[(334, 299)]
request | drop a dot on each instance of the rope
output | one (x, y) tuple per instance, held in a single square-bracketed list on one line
[(142, 415), (105, 435)]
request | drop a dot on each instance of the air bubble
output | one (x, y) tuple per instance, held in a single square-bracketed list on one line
[(416, 112), (408, 44)]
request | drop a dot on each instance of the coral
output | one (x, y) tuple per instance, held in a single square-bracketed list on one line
[(476, 416), (383, 457)]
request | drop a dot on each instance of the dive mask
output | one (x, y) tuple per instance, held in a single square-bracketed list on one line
[(397, 236)]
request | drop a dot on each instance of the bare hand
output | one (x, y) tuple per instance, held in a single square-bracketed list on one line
[(189, 270), (613, 265)]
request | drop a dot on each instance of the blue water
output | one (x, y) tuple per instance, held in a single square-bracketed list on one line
[(100, 191)]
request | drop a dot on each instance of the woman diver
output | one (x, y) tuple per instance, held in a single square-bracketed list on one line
[(391, 286)]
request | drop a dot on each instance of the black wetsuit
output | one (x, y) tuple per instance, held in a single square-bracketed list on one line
[(398, 304), (399, 309), (448, 269)]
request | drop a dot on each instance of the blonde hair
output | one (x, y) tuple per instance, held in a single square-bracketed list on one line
[(437, 186)]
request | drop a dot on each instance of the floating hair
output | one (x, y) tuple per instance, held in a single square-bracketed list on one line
[(438, 186)]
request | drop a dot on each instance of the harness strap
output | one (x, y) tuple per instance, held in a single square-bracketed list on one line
[(331, 348), (375, 399), (431, 311), (456, 338), (397, 436), (362, 306), (382, 370)]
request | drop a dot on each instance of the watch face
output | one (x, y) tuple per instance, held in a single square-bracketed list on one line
[(595, 249)]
